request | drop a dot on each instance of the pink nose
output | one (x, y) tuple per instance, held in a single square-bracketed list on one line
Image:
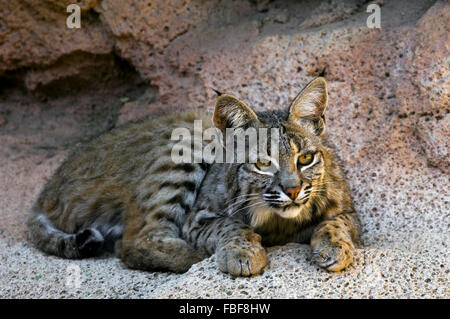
[(292, 192)]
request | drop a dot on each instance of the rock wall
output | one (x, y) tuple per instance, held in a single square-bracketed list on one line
[(388, 83)]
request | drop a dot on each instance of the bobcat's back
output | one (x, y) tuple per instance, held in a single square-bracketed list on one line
[(112, 178)]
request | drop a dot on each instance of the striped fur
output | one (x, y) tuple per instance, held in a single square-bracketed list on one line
[(122, 192), (125, 185)]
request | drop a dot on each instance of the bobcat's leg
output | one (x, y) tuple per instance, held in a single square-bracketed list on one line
[(238, 249), (333, 241), (152, 242)]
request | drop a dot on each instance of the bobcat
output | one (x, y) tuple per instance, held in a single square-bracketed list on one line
[(122, 192)]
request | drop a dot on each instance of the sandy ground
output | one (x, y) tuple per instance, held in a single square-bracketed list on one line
[(405, 250)]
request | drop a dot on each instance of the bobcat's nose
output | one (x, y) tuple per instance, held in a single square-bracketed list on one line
[(292, 192)]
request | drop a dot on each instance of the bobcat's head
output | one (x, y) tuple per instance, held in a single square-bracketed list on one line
[(286, 185)]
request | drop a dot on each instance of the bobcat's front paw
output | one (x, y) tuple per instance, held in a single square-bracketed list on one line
[(333, 256), (241, 257)]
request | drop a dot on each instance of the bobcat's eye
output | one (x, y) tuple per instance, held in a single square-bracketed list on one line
[(262, 165), (305, 159)]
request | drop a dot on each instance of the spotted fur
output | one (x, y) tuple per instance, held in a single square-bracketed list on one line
[(122, 192)]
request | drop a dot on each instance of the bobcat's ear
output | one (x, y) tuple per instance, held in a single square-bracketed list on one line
[(308, 107), (232, 112)]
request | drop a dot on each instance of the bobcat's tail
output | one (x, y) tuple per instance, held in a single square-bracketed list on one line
[(87, 242)]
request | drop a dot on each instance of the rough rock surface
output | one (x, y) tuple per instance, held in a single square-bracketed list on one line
[(388, 113)]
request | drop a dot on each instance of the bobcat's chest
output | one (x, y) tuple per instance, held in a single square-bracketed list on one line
[(276, 230)]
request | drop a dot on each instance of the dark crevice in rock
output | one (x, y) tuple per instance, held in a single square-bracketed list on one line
[(77, 72), (12, 80), (72, 108)]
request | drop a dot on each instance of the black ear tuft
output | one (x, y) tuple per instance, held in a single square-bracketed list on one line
[(322, 73)]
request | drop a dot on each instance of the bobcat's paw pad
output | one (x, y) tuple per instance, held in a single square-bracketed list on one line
[(242, 258), (89, 242), (334, 256)]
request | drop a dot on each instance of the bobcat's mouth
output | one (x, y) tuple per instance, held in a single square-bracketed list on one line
[(284, 205), (288, 209), (287, 204)]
